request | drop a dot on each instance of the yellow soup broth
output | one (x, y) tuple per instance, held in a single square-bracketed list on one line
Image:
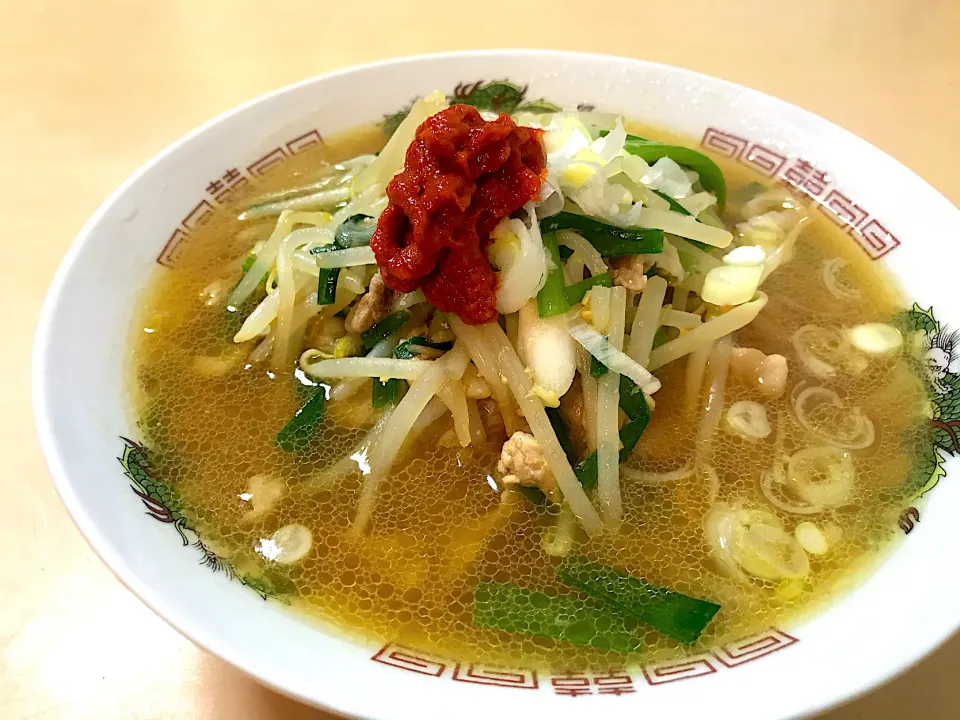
[(209, 416)]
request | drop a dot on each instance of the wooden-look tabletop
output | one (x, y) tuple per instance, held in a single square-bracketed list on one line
[(90, 90)]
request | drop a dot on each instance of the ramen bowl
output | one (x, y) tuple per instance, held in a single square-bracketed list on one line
[(901, 612)]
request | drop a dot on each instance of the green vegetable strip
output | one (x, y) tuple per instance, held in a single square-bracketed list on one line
[(609, 240), (677, 207), (586, 471), (583, 622), (597, 368), (660, 336), (674, 205), (384, 329), (407, 348), (327, 285), (576, 291), (674, 614), (297, 433), (552, 300), (604, 133), (248, 263), (711, 177), (560, 428), (534, 495), (306, 385), (355, 231), (388, 392), (634, 404), (632, 400)]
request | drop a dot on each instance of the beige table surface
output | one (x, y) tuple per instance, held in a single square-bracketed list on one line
[(90, 89)]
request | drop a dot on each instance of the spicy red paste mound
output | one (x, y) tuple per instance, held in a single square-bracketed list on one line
[(461, 176)]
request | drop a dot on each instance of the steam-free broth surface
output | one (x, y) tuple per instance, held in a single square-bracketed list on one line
[(210, 416)]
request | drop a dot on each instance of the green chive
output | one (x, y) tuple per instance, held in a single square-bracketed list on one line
[(576, 291), (327, 285), (609, 240), (301, 429), (672, 613), (384, 329), (389, 392), (711, 177), (551, 300), (597, 368), (583, 622), (634, 404)]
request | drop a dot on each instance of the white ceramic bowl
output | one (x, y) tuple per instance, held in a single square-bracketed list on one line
[(902, 612)]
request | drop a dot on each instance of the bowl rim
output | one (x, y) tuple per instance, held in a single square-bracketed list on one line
[(154, 599)]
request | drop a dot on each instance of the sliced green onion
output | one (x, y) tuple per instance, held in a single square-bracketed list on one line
[(355, 231), (634, 404), (388, 393), (711, 177), (583, 622), (632, 400), (384, 329), (248, 263), (661, 336), (560, 428), (407, 349), (597, 368), (327, 285), (677, 207), (609, 240), (551, 300), (674, 205), (301, 429), (577, 290), (534, 495), (672, 613)]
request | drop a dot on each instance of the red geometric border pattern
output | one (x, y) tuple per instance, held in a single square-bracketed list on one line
[(613, 682), (198, 216), (749, 649), (725, 144), (308, 139), (879, 241), (676, 670), (764, 160), (168, 256), (519, 679), (263, 165), (803, 176), (869, 232), (221, 189), (406, 659)]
